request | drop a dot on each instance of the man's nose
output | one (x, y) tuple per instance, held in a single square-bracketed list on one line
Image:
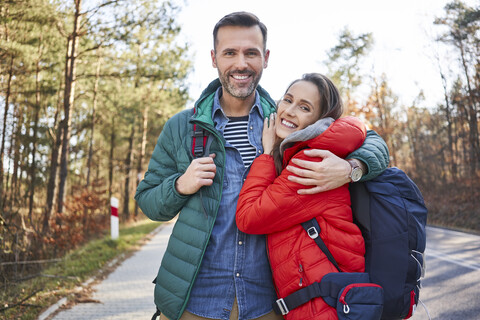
[(241, 62)]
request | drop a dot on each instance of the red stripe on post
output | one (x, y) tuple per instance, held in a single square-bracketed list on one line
[(114, 211)]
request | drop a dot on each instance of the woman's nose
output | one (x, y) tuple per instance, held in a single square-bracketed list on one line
[(290, 109)]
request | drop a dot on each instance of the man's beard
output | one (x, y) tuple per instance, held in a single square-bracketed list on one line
[(239, 92)]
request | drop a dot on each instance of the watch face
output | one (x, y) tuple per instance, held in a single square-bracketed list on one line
[(356, 174)]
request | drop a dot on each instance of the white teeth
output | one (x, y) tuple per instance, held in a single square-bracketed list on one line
[(288, 124), (240, 77)]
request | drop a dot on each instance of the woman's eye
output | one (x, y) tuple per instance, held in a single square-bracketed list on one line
[(305, 108)]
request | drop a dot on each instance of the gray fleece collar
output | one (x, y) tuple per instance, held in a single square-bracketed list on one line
[(310, 132)]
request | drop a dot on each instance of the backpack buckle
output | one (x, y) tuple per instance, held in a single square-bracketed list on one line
[(312, 232), (282, 306)]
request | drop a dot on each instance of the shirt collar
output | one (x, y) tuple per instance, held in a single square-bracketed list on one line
[(217, 110)]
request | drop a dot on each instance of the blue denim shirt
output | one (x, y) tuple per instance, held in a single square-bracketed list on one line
[(235, 264)]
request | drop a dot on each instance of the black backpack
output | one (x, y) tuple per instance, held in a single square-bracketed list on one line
[(391, 213), (392, 216)]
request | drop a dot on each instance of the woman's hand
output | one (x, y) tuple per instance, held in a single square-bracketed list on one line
[(200, 172), (269, 136)]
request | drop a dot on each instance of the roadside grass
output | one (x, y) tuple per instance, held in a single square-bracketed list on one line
[(460, 210), (94, 260)]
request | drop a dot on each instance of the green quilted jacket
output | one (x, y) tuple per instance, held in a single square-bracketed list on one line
[(157, 197)]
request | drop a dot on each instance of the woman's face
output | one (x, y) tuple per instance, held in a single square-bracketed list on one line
[(299, 108)]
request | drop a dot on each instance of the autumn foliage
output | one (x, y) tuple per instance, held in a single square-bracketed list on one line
[(86, 215)]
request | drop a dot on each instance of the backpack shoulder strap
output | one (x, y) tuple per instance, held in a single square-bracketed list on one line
[(199, 140), (360, 200), (313, 230)]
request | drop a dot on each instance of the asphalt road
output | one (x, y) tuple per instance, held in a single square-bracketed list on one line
[(451, 288)]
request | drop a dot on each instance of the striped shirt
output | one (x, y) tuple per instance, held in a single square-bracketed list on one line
[(236, 133)]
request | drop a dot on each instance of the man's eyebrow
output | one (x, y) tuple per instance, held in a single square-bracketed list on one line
[(229, 49)]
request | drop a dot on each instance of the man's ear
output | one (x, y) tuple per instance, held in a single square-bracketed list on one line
[(267, 55), (214, 61)]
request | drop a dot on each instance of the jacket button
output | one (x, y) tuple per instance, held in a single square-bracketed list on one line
[(240, 243), (238, 274)]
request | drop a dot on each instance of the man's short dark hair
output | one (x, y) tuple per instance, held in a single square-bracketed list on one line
[(240, 19)]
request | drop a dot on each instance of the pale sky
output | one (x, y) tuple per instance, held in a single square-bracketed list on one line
[(301, 32)]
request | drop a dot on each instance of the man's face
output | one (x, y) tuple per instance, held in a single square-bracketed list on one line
[(240, 59)]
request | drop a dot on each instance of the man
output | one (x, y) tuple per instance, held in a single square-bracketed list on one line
[(211, 269)]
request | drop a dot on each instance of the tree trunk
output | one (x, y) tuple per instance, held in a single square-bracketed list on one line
[(92, 135), (110, 159), (52, 179), (69, 97), (4, 131), (142, 150), (453, 164), (34, 140), (92, 128), (128, 169), (472, 117), (15, 185)]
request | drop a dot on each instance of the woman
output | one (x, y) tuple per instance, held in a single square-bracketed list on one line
[(308, 116)]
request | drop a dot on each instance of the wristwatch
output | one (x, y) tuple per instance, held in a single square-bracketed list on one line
[(357, 172)]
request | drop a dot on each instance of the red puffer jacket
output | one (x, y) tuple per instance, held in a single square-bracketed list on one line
[(270, 205)]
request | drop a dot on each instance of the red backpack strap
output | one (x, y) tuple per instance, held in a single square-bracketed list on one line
[(199, 140)]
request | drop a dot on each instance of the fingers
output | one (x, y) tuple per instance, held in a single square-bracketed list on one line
[(205, 160), (310, 165), (318, 153), (308, 169), (199, 173), (269, 122), (268, 135), (313, 190), (203, 167), (304, 181)]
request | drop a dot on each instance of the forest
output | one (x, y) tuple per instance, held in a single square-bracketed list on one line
[(86, 86)]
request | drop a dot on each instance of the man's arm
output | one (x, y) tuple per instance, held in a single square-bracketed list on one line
[(156, 194), (333, 172)]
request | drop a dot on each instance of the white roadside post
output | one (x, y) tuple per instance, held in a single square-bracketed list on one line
[(114, 218)]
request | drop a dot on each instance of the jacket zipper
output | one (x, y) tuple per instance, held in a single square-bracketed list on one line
[(302, 273)]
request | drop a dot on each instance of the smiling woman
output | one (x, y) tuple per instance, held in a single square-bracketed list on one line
[(308, 118), (299, 107)]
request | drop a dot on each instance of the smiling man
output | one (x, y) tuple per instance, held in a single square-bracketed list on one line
[(240, 57), (212, 270)]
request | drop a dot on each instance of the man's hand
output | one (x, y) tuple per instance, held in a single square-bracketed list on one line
[(328, 174), (200, 172)]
